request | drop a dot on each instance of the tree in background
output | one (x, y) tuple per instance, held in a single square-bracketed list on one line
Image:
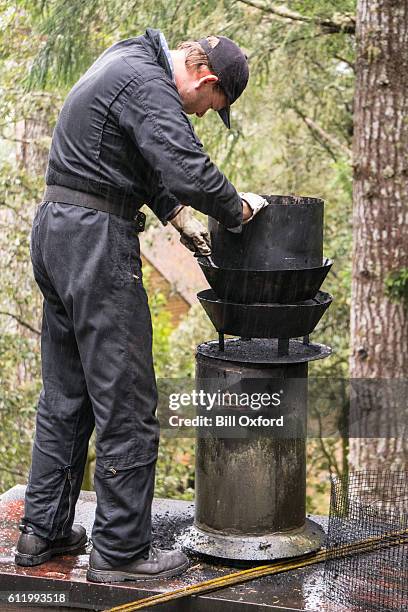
[(379, 316), (292, 130)]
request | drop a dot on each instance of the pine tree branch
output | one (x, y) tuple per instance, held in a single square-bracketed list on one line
[(345, 23), (291, 41), (35, 94), (322, 134), (346, 61), (19, 140), (14, 472), (18, 214), (330, 457), (20, 321), (9, 206)]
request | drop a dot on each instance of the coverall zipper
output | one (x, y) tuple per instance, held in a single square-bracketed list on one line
[(68, 477)]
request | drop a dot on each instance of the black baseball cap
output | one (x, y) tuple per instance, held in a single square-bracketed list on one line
[(230, 65)]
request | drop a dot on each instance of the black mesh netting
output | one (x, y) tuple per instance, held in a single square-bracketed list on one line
[(370, 505)]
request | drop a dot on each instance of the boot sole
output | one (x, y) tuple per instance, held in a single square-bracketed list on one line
[(31, 560), (94, 575)]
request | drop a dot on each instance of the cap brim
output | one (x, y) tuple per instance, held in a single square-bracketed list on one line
[(224, 113)]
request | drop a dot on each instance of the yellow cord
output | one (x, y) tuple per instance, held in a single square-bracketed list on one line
[(367, 545)]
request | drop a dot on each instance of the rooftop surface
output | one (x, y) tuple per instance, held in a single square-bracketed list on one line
[(292, 591)]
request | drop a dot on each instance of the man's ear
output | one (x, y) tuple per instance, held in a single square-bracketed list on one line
[(207, 78)]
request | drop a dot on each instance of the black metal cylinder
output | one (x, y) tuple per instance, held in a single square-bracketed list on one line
[(251, 481), (251, 476), (286, 235), (253, 485)]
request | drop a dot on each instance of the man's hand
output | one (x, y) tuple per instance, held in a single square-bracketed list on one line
[(254, 202), (246, 211), (193, 234)]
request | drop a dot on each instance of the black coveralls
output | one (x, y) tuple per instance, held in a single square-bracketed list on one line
[(122, 134)]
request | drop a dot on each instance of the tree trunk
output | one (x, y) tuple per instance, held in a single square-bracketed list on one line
[(379, 326)]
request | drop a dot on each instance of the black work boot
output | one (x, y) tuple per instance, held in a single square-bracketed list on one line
[(33, 550), (155, 564)]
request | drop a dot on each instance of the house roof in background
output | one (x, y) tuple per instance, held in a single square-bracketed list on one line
[(161, 247)]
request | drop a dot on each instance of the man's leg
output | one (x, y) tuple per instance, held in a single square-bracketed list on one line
[(114, 332), (64, 424), (116, 352), (121, 382), (94, 263)]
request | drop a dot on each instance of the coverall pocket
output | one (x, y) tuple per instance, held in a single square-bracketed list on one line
[(122, 486), (126, 250), (35, 250), (114, 465)]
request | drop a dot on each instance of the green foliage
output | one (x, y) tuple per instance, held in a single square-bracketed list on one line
[(291, 133), (175, 468), (161, 322), (19, 388), (193, 329), (19, 319), (396, 285)]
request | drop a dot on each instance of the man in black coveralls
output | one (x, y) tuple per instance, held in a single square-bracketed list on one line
[(122, 139)]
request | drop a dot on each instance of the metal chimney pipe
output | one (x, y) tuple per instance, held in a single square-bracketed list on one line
[(287, 235), (250, 499), (251, 480)]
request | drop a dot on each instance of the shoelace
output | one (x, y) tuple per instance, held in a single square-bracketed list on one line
[(152, 553)]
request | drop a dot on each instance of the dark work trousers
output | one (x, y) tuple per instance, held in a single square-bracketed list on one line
[(97, 371)]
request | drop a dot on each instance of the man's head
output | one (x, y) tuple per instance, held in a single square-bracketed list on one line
[(210, 74)]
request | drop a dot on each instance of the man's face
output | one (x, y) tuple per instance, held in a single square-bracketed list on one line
[(199, 92)]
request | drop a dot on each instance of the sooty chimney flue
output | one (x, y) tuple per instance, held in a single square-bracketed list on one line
[(251, 463)]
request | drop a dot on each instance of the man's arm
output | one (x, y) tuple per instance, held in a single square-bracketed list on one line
[(164, 204), (154, 118)]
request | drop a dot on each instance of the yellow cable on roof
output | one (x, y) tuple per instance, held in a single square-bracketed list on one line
[(367, 545)]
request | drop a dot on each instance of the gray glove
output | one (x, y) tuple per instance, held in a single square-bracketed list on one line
[(255, 203), (193, 234)]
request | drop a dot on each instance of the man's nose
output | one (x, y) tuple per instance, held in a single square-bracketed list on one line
[(202, 113)]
